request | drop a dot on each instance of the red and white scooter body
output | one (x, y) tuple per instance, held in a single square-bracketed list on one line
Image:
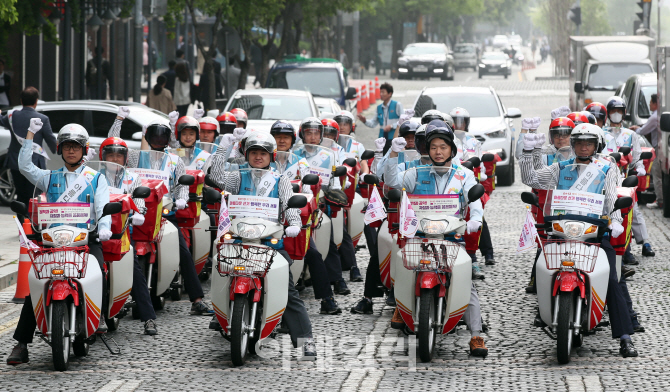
[(120, 282)]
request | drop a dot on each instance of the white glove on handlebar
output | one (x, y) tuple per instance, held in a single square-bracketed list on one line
[(473, 226), (104, 235), (482, 172), (617, 229), (123, 111), (180, 203), (641, 171), (347, 185), (380, 143), (198, 113), (138, 219), (529, 141), (174, 116), (398, 144), (239, 133), (35, 125), (292, 231)]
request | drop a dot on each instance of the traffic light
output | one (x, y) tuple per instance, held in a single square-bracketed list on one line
[(644, 16), (575, 14)]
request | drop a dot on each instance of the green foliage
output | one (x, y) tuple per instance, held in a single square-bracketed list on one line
[(8, 13), (596, 22), (25, 16), (501, 12)]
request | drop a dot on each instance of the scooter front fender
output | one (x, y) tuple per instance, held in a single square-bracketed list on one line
[(243, 285), (428, 280), (60, 290), (568, 281)]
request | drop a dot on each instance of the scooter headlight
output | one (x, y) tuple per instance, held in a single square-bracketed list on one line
[(573, 229), (249, 231), (63, 238), (434, 226)]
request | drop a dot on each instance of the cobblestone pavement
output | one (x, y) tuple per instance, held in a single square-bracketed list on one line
[(361, 352)]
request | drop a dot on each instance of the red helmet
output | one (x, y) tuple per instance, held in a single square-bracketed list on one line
[(114, 144), (227, 123), (187, 122), (598, 110), (578, 118), (331, 127), (560, 126), (240, 116)]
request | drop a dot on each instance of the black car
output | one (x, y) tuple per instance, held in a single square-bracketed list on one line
[(495, 63), (426, 60)]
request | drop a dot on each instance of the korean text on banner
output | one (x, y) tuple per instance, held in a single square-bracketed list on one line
[(375, 210), (429, 205), (528, 234), (253, 206), (152, 174), (68, 213), (576, 202), (409, 223), (322, 172)]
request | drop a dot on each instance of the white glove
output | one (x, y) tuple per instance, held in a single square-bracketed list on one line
[(560, 112), (540, 139), (409, 113), (641, 171), (104, 235), (227, 140), (403, 118), (144, 130), (35, 125), (527, 123), (347, 185), (616, 228), (180, 203), (398, 144), (123, 111), (198, 113), (482, 172), (380, 143), (239, 133), (529, 141), (536, 123), (91, 154), (292, 231), (138, 219), (174, 116), (473, 226)]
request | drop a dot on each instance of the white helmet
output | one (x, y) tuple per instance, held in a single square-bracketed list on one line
[(449, 120), (72, 133), (586, 131), (261, 140), (461, 117), (210, 123)]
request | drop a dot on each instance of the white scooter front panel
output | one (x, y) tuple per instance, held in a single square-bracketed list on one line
[(403, 288), (322, 235), (220, 292), (384, 250), (355, 222), (200, 241), (120, 282), (338, 228), (275, 287), (167, 258), (458, 296)]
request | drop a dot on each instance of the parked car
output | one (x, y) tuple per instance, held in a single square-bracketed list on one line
[(500, 41), (325, 78), (328, 107), (426, 60), (490, 122), (96, 116), (265, 106), (637, 93), (465, 56), (495, 63)]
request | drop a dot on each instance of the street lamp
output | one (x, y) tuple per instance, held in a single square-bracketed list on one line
[(108, 17), (55, 16), (95, 22)]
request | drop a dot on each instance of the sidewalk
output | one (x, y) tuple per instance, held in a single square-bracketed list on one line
[(9, 249)]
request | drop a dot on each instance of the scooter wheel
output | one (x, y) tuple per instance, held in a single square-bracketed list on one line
[(239, 339), (60, 339)]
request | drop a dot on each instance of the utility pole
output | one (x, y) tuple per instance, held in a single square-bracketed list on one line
[(139, 33), (356, 36)]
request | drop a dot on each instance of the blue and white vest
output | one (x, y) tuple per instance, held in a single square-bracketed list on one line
[(392, 115), (58, 185)]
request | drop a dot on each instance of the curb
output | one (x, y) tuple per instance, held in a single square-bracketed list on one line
[(8, 275), (551, 78)]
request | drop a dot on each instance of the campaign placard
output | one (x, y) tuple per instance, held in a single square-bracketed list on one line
[(428, 206), (576, 202), (153, 174), (68, 213), (253, 206)]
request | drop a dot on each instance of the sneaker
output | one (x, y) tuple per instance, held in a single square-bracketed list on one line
[(646, 250), (363, 306), (489, 260), (102, 327), (19, 355), (636, 325), (655, 204), (300, 285), (627, 348), (629, 259), (214, 324), (477, 347), (150, 327), (477, 272), (355, 275), (531, 289), (329, 306), (397, 321), (308, 350), (201, 308), (390, 298), (341, 288), (627, 272)]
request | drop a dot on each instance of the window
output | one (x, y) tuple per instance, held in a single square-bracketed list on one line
[(273, 107), (478, 105), (60, 118), (128, 128), (465, 49), (321, 82), (423, 49), (100, 123), (610, 76), (643, 100)]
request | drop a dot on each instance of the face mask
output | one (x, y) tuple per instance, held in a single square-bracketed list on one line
[(616, 117)]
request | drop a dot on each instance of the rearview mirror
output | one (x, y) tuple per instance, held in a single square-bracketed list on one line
[(513, 113), (475, 193), (646, 155), (624, 150), (627, 117), (297, 201), (579, 87), (210, 182), (296, 187), (310, 179), (112, 208), (137, 136), (468, 165), (630, 182), (623, 202), (351, 162), (616, 156), (367, 154), (394, 195), (186, 179), (488, 157), (141, 192), (371, 179), (665, 122), (351, 93), (475, 161), (340, 171), (530, 198), (19, 208), (210, 195)]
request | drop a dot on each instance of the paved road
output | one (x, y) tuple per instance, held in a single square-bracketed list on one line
[(361, 352)]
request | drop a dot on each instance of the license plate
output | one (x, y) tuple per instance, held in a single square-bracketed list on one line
[(421, 68)]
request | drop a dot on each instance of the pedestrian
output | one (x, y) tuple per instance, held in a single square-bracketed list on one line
[(160, 98), (145, 58), (257, 60), (5, 85), (93, 66), (234, 74), (182, 88), (651, 128), (170, 76), (18, 123), (204, 86), (388, 114), (343, 58)]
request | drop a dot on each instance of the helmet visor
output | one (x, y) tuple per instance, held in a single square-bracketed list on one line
[(459, 123), (158, 135)]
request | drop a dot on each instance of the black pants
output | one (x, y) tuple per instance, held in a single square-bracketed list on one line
[(187, 266), (24, 190), (25, 329), (182, 109), (373, 278), (295, 316), (318, 272), (485, 244), (347, 251), (626, 294), (616, 301), (140, 291), (333, 263)]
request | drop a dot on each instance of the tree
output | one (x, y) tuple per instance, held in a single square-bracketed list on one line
[(27, 16)]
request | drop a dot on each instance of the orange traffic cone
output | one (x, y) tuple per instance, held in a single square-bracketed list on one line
[(22, 286), (372, 96), (377, 90)]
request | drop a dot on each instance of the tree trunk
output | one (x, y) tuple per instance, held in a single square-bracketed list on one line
[(396, 36), (246, 64)]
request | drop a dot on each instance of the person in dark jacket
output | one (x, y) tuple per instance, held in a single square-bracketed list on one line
[(5, 84), (170, 76), (18, 122)]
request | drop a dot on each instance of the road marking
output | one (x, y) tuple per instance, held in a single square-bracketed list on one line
[(520, 76), (6, 327), (120, 386), (468, 79), (583, 384)]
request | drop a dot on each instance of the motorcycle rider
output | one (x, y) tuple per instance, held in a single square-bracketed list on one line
[(187, 133), (586, 141), (115, 150), (209, 129), (158, 137), (260, 151), (241, 117), (72, 145), (617, 136), (442, 150), (599, 111)]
